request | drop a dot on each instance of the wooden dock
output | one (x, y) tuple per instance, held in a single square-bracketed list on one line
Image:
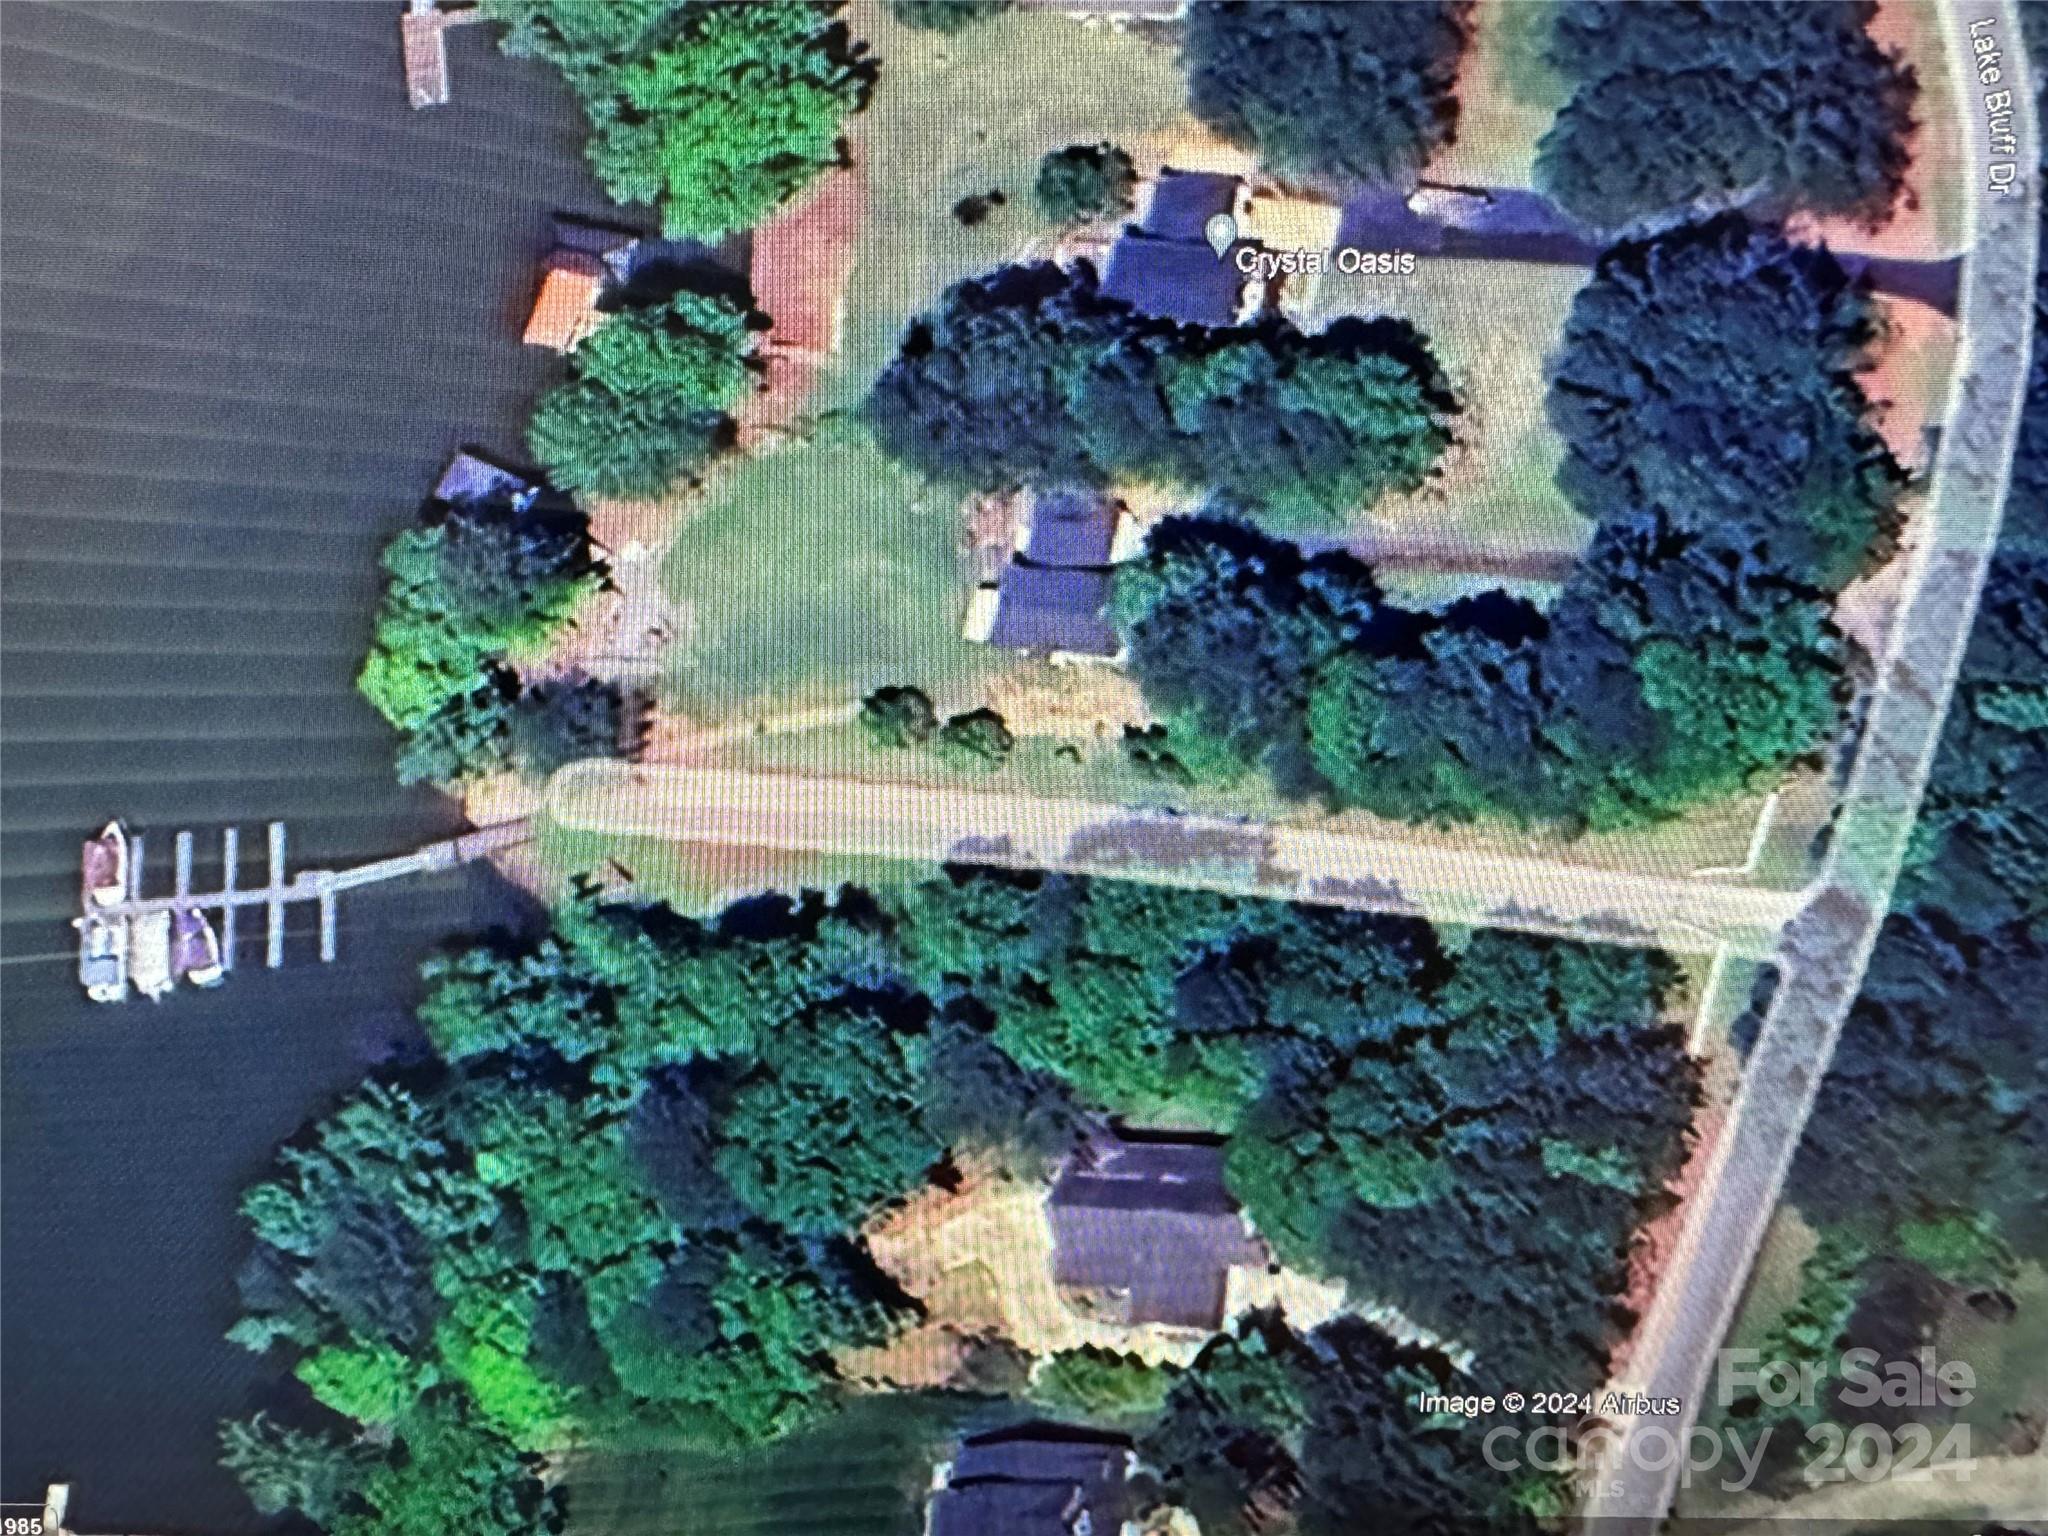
[(279, 891), (423, 34)]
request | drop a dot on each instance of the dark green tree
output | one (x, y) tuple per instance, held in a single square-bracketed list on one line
[(1285, 78), (1766, 104), (1085, 181), (829, 1126), (975, 738), (898, 717), (648, 399), (554, 723)]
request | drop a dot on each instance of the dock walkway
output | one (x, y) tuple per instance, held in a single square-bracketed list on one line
[(320, 886)]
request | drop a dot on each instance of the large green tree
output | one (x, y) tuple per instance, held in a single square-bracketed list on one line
[(1365, 92), (717, 114), (648, 398), (1766, 104)]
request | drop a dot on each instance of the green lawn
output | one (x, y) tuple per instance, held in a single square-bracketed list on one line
[(965, 115), (862, 1474), (1491, 325), (816, 573), (823, 570)]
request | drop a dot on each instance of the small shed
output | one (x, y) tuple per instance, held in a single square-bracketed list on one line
[(566, 310), (1144, 1220)]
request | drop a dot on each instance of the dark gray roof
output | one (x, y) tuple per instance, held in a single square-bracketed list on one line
[(1039, 609), (1173, 279), (1008, 1509), (471, 477), (1037, 1479), (1183, 203), (1151, 1220), (1071, 526)]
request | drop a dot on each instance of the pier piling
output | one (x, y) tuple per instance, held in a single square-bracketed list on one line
[(230, 857), (326, 922), (323, 887), (274, 951)]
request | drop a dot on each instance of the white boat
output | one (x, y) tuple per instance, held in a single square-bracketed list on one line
[(195, 949), (105, 875), (103, 958), (149, 954)]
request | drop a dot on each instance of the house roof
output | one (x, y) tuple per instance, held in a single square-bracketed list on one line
[(1070, 526), (566, 310), (1150, 1218), (1183, 203), (799, 263), (1173, 279), (1059, 610), (471, 477), (1037, 1479)]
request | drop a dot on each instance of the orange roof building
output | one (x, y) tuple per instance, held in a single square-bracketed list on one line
[(799, 266), (566, 310)]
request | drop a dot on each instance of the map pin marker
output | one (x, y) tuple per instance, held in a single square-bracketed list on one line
[(1222, 232)]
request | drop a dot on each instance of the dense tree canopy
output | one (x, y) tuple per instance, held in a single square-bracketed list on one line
[(1029, 375), (1289, 79), (1766, 104), (716, 113), (1734, 488), (471, 583), (1710, 374), (628, 1196), (648, 398), (1325, 1426)]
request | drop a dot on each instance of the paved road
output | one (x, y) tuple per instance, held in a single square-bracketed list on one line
[(1823, 954), (1380, 874)]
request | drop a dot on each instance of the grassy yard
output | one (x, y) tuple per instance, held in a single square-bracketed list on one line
[(1491, 326), (824, 570), (1507, 96), (861, 1474), (813, 574)]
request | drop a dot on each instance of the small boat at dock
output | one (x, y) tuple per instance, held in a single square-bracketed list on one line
[(103, 958), (149, 954), (105, 873), (195, 949)]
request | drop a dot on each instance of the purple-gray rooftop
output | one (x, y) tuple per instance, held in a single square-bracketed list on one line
[(1149, 1220), (1053, 610)]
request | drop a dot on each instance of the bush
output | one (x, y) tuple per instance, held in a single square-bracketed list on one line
[(555, 723), (898, 717), (976, 739), (1085, 181)]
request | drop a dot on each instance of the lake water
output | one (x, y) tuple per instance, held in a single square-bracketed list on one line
[(251, 302)]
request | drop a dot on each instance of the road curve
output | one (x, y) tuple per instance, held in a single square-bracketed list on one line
[(848, 817), (1824, 952)]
